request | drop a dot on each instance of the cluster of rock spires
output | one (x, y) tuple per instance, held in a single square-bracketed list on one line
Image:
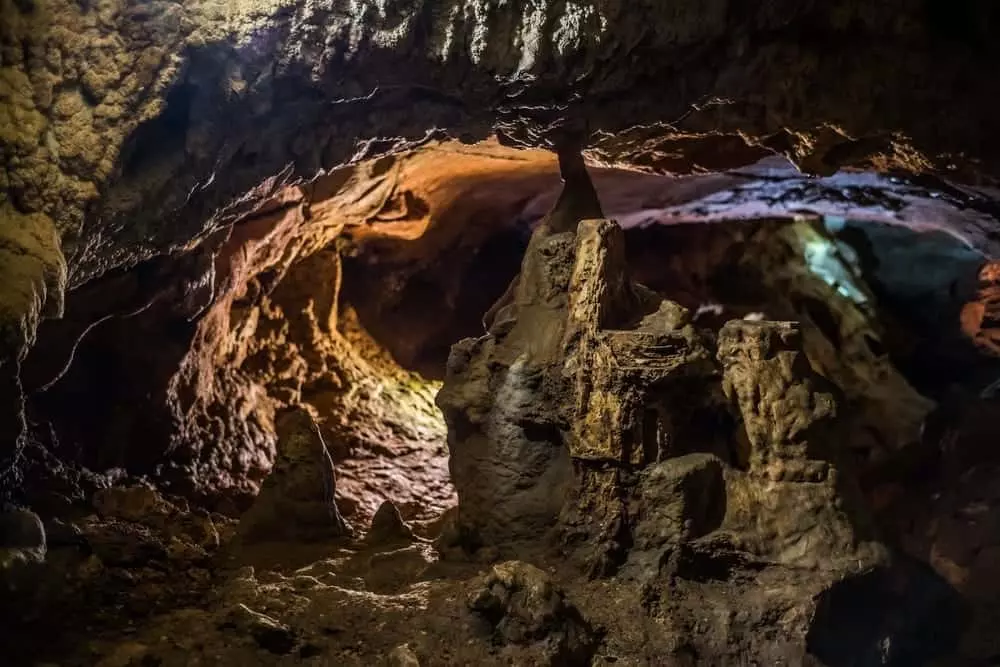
[(704, 466)]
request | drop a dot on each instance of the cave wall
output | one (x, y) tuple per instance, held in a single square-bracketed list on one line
[(133, 129), (240, 327)]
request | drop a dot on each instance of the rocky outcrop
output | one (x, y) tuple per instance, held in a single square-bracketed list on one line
[(274, 336), (131, 553), (596, 413), (217, 364)]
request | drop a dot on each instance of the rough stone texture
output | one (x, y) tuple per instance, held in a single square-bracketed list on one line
[(798, 270), (132, 129), (621, 472), (522, 605), (432, 237), (23, 547), (794, 504), (297, 501), (388, 526), (272, 337), (131, 556)]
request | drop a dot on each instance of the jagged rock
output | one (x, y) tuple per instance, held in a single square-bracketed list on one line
[(502, 398), (792, 504), (136, 503), (711, 480), (682, 499), (297, 500), (388, 526), (522, 605)]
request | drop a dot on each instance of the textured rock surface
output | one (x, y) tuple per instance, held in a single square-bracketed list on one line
[(581, 429), (131, 129), (273, 337), (178, 141), (131, 556), (297, 501), (523, 606), (431, 240)]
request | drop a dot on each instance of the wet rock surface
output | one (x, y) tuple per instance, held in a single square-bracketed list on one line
[(705, 511), (702, 491), (135, 131)]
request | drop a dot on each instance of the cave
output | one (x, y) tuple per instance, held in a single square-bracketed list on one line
[(474, 333)]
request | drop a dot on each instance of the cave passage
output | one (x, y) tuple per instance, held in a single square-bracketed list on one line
[(346, 296), (250, 412), (336, 307)]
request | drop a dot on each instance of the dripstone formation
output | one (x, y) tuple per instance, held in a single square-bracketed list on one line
[(704, 467)]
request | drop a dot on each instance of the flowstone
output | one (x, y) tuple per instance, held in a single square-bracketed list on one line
[(595, 422)]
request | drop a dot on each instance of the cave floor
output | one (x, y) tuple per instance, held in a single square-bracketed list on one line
[(144, 582)]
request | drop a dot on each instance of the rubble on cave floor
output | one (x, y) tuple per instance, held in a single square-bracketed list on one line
[(144, 581)]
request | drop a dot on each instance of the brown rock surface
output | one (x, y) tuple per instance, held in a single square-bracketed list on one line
[(556, 416), (131, 130), (297, 501)]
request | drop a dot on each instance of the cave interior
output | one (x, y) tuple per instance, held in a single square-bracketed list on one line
[(471, 333)]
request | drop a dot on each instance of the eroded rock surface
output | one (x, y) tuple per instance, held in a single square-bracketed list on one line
[(135, 130), (523, 606), (709, 468), (297, 501)]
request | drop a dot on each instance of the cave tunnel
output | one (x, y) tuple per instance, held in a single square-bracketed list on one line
[(448, 333)]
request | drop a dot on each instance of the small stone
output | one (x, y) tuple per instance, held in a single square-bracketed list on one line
[(403, 656), (22, 529), (388, 526), (136, 503), (62, 534), (22, 548), (523, 606), (270, 634)]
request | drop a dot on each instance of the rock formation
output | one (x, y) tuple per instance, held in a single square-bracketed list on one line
[(220, 218), (593, 414), (297, 501), (134, 130)]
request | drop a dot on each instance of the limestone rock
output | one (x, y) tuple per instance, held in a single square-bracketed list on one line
[(137, 503), (719, 482), (522, 605), (402, 656), (682, 499), (791, 503), (270, 634), (388, 526), (297, 500)]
